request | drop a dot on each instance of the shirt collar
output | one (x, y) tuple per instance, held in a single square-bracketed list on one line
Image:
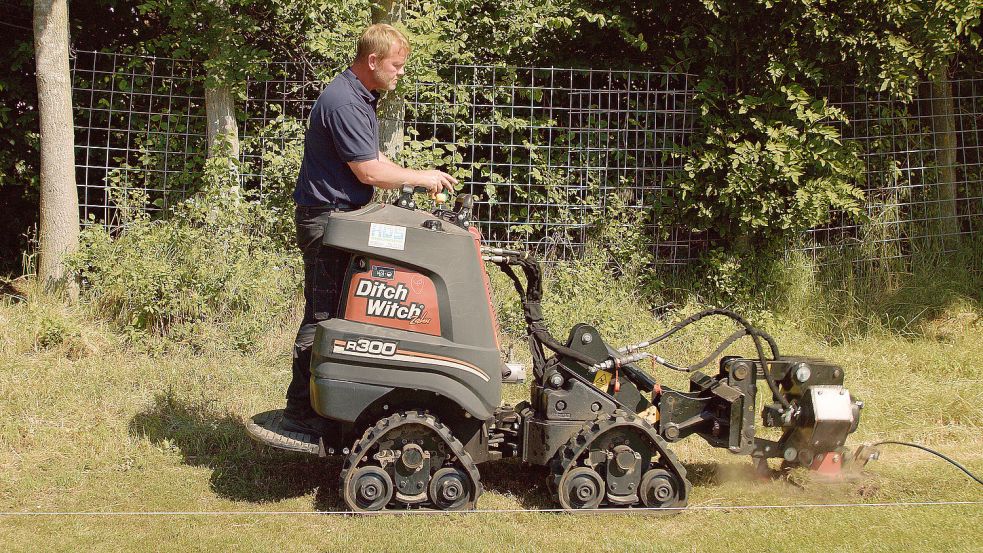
[(359, 88)]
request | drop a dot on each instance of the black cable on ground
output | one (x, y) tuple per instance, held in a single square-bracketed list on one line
[(936, 453)]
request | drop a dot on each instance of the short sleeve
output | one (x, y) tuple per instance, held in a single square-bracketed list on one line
[(353, 133)]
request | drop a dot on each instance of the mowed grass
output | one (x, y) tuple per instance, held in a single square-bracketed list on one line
[(89, 423)]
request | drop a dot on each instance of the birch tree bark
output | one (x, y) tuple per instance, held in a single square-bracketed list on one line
[(223, 134), (222, 131), (59, 219), (391, 110)]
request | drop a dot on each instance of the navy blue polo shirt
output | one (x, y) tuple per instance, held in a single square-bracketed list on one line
[(343, 127)]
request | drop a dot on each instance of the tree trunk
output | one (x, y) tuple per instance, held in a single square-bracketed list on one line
[(59, 221), (220, 110), (944, 131), (392, 110), (223, 134)]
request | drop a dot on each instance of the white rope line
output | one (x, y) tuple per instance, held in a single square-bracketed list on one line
[(493, 511)]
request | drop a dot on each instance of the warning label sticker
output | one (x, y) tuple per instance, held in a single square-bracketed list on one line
[(602, 379), (390, 237)]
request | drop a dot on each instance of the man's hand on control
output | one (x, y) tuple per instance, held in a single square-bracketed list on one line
[(437, 181), (383, 173)]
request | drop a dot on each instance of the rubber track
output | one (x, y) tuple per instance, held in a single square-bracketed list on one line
[(569, 454), (374, 433)]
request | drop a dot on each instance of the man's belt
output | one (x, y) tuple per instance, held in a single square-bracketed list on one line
[(318, 209)]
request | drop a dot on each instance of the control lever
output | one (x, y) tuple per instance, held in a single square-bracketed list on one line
[(405, 198), (461, 214)]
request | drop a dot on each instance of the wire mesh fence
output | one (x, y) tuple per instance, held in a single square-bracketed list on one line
[(139, 125), (558, 153), (924, 172), (552, 154)]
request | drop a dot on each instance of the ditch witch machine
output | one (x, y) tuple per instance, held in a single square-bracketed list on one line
[(409, 378)]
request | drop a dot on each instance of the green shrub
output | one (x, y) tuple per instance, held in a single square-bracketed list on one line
[(214, 270), (580, 290), (277, 150), (53, 331)]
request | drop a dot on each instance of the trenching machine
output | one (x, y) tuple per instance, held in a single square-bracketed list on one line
[(409, 381)]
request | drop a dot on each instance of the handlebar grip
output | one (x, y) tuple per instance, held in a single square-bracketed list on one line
[(410, 189), (405, 198)]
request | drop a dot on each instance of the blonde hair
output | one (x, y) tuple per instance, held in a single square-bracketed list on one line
[(378, 39)]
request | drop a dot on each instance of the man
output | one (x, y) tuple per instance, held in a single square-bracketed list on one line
[(341, 165)]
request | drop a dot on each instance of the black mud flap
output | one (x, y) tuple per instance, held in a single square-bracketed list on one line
[(267, 428)]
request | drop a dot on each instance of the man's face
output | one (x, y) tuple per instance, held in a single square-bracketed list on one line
[(387, 71)]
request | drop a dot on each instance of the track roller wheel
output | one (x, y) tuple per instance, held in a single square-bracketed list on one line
[(409, 460), (659, 488), (581, 488), (618, 461), (370, 489), (449, 489)]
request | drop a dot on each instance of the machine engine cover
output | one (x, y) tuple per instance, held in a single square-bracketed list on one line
[(367, 361)]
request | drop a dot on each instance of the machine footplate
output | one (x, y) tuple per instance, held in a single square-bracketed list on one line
[(267, 428)]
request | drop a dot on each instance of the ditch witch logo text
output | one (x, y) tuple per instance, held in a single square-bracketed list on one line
[(385, 300)]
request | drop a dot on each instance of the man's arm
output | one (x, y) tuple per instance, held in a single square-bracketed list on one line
[(385, 159), (383, 173)]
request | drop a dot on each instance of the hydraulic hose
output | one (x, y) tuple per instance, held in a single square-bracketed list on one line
[(531, 294), (706, 360), (707, 313), (756, 336)]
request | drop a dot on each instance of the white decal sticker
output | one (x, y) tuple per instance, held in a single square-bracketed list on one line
[(374, 347), (387, 236)]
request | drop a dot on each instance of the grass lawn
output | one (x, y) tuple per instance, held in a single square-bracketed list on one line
[(89, 423)]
